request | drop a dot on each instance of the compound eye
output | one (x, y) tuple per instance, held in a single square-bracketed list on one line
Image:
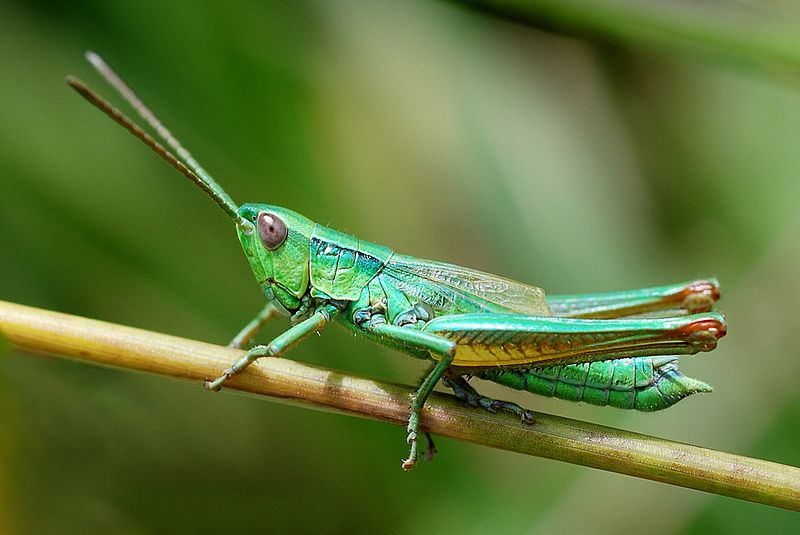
[(272, 230)]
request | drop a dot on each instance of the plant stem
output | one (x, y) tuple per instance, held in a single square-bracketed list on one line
[(42, 331)]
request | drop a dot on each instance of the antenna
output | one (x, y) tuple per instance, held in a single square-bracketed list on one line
[(191, 169)]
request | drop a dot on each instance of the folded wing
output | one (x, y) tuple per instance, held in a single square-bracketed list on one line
[(457, 289)]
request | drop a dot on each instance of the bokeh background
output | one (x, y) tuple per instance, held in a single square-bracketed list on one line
[(580, 146)]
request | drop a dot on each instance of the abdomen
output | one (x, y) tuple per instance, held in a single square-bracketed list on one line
[(643, 383)]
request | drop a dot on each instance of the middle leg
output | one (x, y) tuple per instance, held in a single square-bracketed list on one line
[(441, 349)]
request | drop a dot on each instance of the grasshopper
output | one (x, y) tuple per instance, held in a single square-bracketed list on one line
[(618, 349)]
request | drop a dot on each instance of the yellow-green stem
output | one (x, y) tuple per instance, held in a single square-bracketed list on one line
[(42, 331)]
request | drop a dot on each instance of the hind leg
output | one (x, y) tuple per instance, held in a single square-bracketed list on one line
[(464, 391)]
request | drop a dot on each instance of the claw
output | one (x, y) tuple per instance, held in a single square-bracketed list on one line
[(430, 449), (215, 385), (527, 417), (409, 463)]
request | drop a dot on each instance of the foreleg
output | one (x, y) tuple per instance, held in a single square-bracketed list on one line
[(256, 324), (279, 345)]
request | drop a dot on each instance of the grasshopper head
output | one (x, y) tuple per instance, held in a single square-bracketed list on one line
[(277, 247)]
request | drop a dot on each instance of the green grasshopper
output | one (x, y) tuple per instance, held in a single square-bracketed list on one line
[(618, 349)]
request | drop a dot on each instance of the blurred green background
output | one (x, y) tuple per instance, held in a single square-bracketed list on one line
[(597, 146)]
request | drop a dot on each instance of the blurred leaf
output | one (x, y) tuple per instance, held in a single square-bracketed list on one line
[(757, 33)]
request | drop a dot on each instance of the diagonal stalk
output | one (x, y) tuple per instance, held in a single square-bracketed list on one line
[(761, 35), (41, 331)]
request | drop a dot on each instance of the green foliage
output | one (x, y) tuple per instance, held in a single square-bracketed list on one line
[(572, 156)]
